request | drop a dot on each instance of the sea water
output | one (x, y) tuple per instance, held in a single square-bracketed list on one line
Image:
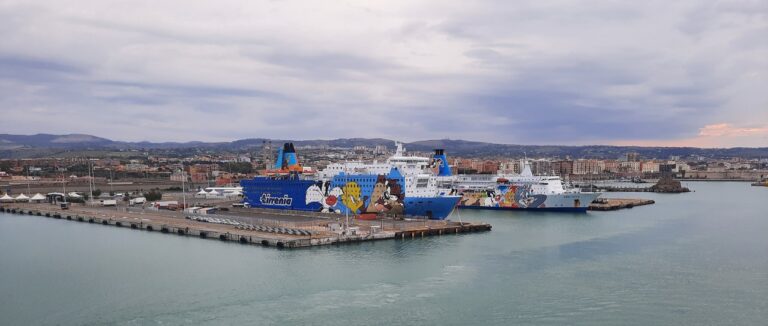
[(690, 259)]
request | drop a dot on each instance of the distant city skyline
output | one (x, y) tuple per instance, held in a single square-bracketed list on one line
[(654, 73)]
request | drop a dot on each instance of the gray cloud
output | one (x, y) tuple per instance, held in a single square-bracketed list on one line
[(522, 72)]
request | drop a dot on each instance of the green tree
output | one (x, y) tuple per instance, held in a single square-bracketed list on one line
[(5, 165), (153, 195), (239, 167)]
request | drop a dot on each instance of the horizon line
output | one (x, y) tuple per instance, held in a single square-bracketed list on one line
[(371, 138)]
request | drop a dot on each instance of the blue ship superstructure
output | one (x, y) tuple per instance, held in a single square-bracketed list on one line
[(360, 192)]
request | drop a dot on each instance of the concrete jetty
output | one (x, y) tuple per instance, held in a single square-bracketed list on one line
[(278, 230)]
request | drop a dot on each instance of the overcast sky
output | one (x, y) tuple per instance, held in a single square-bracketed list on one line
[(522, 72)]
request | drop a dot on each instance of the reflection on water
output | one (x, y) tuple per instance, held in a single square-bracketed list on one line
[(696, 258)]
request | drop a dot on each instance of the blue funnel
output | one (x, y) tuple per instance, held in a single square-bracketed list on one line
[(440, 162), (279, 161), (286, 158)]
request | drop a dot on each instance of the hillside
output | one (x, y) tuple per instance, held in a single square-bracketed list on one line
[(22, 145)]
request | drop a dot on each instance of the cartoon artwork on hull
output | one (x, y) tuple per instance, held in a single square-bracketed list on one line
[(385, 196), (504, 196), (325, 195), (351, 197)]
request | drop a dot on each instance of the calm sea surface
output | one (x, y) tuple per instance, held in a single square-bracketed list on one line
[(695, 259)]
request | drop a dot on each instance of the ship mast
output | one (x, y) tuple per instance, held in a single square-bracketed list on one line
[(346, 181)]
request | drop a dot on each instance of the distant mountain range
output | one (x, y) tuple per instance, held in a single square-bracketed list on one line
[(13, 145)]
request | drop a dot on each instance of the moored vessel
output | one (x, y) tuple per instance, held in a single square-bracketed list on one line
[(518, 192), (399, 187)]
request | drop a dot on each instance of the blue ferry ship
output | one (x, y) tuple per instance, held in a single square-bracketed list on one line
[(365, 195)]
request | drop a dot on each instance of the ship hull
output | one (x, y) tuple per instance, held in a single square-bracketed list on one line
[(435, 208), (542, 209), (278, 194), (565, 202), (363, 195)]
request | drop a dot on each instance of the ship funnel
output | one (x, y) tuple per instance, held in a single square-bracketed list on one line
[(440, 163), (279, 160), (286, 158)]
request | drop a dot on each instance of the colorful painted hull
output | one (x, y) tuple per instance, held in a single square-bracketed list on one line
[(354, 194), (520, 198)]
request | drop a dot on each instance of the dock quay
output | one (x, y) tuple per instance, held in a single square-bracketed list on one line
[(612, 204), (664, 185), (278, 230)]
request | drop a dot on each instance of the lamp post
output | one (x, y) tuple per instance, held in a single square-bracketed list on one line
[(183, 193), (29, 192), (90, 183)]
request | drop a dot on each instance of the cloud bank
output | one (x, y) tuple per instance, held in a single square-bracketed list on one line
[(530, 72)]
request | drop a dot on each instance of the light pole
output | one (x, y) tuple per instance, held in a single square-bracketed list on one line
[(29, 192), (64, 185), (90, 184), (112, 190), (111, 180), (183, 193)]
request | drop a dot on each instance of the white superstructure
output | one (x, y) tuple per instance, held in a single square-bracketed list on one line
[(544, 185)]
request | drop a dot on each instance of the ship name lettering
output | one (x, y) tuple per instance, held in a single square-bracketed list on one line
[(267, 199)]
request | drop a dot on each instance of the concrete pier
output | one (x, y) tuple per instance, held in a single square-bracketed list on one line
[(280, 232)]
